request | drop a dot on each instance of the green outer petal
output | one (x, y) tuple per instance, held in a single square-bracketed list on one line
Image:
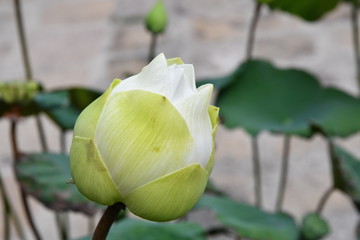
[(141, 137), (86, 123), (173, 61), (90, 174), (214, 117), (170, 196)]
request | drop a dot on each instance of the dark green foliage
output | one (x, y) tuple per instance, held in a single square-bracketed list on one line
[(309, 10), (131, 229), (64, 106), (45, 176), (250, 222), (259, 96), (346, 173)]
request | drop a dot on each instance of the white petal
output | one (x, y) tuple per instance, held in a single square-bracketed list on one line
[(195, 112), (186, 86)]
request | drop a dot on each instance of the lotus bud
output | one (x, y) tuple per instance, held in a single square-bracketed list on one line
[(148, 142), (156, 20)]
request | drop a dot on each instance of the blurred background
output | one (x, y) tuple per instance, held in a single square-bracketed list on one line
[(90, 42)]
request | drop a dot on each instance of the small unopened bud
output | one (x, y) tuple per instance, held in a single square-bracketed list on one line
[(156, 20)]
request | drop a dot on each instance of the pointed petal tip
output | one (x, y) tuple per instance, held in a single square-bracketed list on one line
[(173, 61)]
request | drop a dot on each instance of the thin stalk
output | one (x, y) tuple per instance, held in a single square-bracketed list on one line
[(27, 64), (62, 218), (41, 131), (28, 215), (16, 156), (61, 224), (257, 171), (63, 141), (324, 199), (152, 47), (107, 220), (22, 38), (7, 212), (91, 224), (252, 30), (355, 34), (18, 227), (283, 174)]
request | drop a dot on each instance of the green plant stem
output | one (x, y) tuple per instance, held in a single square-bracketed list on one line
[(283, 174), (7, 211), (27, 64), (257, 171), (28, 215), (324, 199), (17, 226), (91, 224), (104, 225), (252, 30), (61, 224), (22, 38), (8, 214), (63, 142), (152, 47), (41, 131), (355, 34), (61, 220), (16, 156)]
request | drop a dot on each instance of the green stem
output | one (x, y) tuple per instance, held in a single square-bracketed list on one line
[(61, 224), (22, 38), (7, 211), (284, 173), (257, 171), (16, 156), (91, 224), (28, 215), (324, 199), (355, 34), (17, 226), (63, 141), (252, 30), (107, 220), (152, 47), (27, 64), (41, 131)]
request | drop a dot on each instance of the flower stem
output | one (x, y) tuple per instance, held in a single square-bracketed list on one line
[(41, 131), (107, 220), (16, 156), (257, 171), (8, 214), (152, 47), (63, 141), (7, 211), (61, 224), (324, 199), (283, 174), (355, 34), (252, 30), (27, 64), (22, 38), (91, 224)]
